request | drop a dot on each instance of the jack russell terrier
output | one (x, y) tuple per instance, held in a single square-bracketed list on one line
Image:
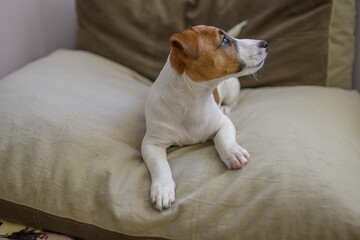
[(183, 105)]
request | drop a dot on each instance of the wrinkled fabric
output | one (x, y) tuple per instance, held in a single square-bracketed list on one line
[(71, 125)]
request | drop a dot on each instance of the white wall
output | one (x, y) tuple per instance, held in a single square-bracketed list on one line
[(31, 29)]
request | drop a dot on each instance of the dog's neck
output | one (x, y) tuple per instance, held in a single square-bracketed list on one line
[(181, 87)]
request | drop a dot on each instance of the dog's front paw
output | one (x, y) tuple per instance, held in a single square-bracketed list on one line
[(162, 194), (235, 156)]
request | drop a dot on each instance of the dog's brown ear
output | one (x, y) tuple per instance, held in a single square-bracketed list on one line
[(184, 48)]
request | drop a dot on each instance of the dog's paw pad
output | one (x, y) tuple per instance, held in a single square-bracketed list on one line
[(162, 195)]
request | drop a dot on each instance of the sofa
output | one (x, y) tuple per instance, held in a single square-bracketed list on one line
[(71, 126)]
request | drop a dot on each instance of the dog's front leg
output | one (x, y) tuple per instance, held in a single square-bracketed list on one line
[(231, 153), (162, 192)]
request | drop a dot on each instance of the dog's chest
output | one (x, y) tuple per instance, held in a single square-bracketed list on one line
[(195, 128), (190, 135)]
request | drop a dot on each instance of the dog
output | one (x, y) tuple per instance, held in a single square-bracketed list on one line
[(183, 106)]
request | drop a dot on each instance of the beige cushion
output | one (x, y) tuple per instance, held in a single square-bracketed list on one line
[(71, 125), (310, 42)]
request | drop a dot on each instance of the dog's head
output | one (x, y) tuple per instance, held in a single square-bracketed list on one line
[(207, 53)]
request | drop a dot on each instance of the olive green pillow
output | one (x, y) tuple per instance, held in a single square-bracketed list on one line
[(311, 42)]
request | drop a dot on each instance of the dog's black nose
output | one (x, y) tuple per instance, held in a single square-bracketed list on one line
[(263, 44)]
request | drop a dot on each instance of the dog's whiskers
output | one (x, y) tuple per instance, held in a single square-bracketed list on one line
[(254, 77)]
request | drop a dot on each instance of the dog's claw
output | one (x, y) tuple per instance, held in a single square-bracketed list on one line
[(235, 157), (162, 195)]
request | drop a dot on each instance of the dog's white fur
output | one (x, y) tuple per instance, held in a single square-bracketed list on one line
[(180, 111)]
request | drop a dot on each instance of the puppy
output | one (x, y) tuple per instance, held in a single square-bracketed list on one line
[(182, 107)]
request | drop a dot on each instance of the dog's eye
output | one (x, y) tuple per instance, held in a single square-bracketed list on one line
[(226, 41)]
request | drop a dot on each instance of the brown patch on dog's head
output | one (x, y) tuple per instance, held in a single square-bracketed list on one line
[(204, 53), (184, 49)]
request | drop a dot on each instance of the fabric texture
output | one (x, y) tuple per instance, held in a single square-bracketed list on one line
[(71, 126), (310, 42)]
